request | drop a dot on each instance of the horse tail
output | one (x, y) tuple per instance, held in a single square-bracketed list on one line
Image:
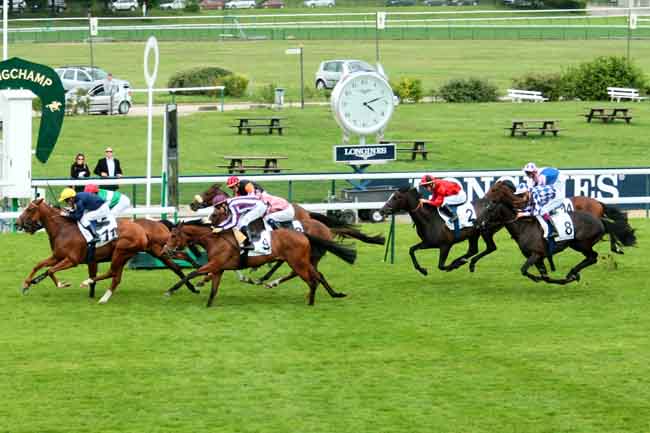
[(345, 230), (614, 213), (345, 253), (621, 231)]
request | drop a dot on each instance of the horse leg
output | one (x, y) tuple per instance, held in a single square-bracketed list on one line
[(444, 253), (532, 259), (471, 250), (278, 281), (551, 263), (92, 273), (50, 261), (490, 247), (330, 290), (271, 271), (305, 270), (203, 270), (177, 270), (216, 279), (412, 251), (60, 266), (117, 267), (591, 257)]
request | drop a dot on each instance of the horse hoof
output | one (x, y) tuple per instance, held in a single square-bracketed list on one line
[(168, 293), (86, 283), (423, 272), (25, 290), (62, 284), (340, 295)]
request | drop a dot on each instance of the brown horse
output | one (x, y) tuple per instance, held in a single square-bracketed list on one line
[(338, 228), (69, 246), (601, 210), (288, 246), (502, 209)]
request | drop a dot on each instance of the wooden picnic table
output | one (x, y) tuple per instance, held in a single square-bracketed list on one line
[(248, 124), (418, 147), (238, 164), (524, 126), (608, 116)]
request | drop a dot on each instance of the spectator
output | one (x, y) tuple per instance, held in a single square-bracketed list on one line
[(110, 89), (79, 170), (108, 167)]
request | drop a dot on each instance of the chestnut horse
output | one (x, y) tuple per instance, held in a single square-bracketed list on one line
[(286, 245), (503, 208), (69, 246)]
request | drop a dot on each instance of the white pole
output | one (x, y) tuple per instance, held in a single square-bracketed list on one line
[(150, 78), (5, 29)]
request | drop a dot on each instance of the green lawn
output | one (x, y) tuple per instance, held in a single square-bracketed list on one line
[(451, 352), (264, 62), (463, 136)]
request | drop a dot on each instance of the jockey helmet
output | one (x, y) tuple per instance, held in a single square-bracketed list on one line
[(232, 181), (220, 199), (523, 187), (530, 168), (67, 193), (91, 187), (427, 179)]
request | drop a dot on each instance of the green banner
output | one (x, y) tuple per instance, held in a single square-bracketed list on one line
[(17, 73)]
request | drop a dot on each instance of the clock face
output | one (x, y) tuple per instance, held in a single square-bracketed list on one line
[(363, 103)]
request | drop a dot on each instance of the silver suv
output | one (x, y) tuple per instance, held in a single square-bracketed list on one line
[(330, 71), (320, 3), (80, 76), (124, 5)]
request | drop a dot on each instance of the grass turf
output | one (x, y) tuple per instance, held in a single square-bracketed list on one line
[(451, 352)]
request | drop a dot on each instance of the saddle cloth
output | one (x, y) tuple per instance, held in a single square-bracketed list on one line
[(106, 230), (292, 225), (561, 219), (261, 240), (466, 216)]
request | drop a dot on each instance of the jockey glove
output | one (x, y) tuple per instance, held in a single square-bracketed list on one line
[(546, 217)]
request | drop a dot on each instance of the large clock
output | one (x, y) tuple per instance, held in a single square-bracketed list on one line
[(362, 103)]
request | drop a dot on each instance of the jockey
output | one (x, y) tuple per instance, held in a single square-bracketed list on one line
[(117, 202), (444, 193), (544, 200), (242, 212), (86, 208), (279, 209), (243, 187), (544, 176)]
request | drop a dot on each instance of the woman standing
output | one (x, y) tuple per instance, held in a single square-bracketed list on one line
[(79, 170)]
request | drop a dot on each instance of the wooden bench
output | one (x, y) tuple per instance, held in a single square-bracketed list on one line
[(605, 116), (418, 147), (238, 165), (618, 93), (516, 95), (543, 126), (269, 124)]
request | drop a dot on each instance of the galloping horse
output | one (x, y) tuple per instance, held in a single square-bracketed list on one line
[(435, 234), (286, 245), (588, 230), (205, 199), (69, 246)]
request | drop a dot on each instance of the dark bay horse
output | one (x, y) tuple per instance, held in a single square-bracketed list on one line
[(503, 208), (338, 228), (289, 246), (69, 246), (434, 233)]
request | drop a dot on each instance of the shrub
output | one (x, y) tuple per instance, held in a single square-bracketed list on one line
[(266, 93), (589, 80), (408, 89), (197, 77), (235, 85), (468, 90), (192, 6), (551, 85), (565, 4)]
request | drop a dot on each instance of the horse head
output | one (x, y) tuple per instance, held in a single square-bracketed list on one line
[(177, 240), (207, 197), (30, 219), (501, 206), (404, 199), (219, 214)]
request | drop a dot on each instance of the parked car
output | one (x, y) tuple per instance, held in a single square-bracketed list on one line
[(330, 71), (80, 76), (241, 4), (124, 5), (400, 3), (57, 6), (17, 7), (272, 4), (435, 3), (463, 3), (100, 103), (212, 4), (320, 3), (173, 5)]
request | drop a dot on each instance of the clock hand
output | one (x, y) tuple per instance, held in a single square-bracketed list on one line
[(371, 101), (369, 107)]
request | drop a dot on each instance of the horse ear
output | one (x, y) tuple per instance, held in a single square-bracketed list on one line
[(38, 201)]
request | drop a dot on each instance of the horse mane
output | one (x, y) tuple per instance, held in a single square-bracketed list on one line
[(502, 192), (195, 222)]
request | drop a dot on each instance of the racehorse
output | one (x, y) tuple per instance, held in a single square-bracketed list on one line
[(527, 232), (434, 233), (69, 246), (339, 228), (223, 250)]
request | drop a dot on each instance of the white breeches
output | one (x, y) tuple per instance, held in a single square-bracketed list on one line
[(94, 215), (551, 205), (256, 212), (456, 199), (560, 187), (121, 206), (282, 216)]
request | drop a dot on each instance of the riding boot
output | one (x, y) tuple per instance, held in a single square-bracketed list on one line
[(448, 212), (246, 244), (92, 228), (90, 252)]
